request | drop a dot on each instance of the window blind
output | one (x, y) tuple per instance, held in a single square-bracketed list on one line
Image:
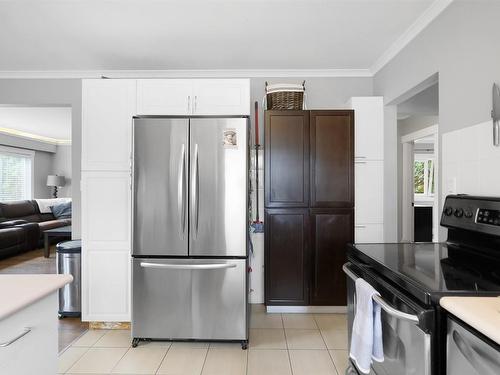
[(15, 176)]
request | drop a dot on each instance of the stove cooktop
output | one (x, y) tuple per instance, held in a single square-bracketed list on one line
[(431, 270)]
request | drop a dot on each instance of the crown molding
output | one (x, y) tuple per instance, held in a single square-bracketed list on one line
[(34, 137), (215, 73), (429, 15)]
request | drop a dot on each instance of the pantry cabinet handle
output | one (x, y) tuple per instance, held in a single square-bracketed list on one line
[(360, 226), (11, 341)]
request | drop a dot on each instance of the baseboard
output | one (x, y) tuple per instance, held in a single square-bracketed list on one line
[(307, 309), (109, 325)]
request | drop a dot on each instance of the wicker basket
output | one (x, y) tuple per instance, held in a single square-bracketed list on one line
[(285, 97)]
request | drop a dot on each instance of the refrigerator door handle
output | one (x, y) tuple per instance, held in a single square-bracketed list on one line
[(206, 266), (195, 189), (181, 199)]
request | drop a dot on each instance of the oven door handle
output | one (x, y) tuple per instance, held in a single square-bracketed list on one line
[(383, 304)]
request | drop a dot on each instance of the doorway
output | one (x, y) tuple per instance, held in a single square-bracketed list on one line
[(420, 179)]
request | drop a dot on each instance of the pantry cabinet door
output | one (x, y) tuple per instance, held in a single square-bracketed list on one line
[(107, 110), (167, 97), (332, 158), (286, 256), (106, 210), (331, 231), (106, 280), (230, 97)]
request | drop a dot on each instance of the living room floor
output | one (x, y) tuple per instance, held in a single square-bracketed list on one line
[(34, 262), (280, 344)]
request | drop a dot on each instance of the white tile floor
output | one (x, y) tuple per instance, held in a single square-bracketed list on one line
[(280, 344)]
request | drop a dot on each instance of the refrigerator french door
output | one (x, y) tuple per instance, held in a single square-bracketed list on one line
[(189, 252)]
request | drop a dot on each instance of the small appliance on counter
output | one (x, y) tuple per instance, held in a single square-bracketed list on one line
[(412, 277), (190, 220)]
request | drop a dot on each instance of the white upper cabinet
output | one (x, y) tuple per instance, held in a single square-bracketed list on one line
[(193, 97), (164, 96), (107, 109), (369, 127), (221, 97)]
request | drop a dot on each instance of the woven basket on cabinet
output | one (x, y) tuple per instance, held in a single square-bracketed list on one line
[(285, 96)]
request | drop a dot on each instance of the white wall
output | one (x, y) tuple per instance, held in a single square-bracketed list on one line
[(61, 165), (461, 45), (42, 168), (476, 171)]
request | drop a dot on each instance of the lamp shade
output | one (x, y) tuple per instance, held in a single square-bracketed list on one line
[(54, 180)]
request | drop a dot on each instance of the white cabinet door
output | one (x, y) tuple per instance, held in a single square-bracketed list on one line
[(369, 233), (369, 127), (369, 192), (107, 109), (106, 210), (106, 285), (164, 96), (221, 97)]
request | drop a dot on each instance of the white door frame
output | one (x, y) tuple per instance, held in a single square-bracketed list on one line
[(408, 140)]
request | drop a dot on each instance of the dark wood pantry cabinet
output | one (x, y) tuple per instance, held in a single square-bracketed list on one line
[(309, 205)]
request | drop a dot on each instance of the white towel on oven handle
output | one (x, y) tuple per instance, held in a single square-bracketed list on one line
[(366, 340)]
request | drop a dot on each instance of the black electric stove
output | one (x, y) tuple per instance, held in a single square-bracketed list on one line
[(412, 277), (467, 264)]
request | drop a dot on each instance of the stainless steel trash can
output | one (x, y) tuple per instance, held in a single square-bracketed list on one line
[(68, 257)]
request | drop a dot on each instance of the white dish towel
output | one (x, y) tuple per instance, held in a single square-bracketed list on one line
[(366, 340)]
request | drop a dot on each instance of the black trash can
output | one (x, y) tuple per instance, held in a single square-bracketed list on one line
[(68, 257)]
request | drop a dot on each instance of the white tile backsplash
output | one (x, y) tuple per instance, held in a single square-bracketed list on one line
[(471, 164)]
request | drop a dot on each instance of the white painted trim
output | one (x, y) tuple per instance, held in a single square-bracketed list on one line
[(426, 132), (429, 15), (306, 309), (216, 73)]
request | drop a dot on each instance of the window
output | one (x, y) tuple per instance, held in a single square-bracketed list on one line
[(16, 174), (423, 176)]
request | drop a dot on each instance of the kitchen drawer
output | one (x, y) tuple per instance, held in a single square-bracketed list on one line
[(469, 354), (35, 352), (368, 233)]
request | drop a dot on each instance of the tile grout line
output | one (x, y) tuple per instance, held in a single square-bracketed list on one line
[(69, 368), (205, 360), (331, 358), (287, 348), (124, 354), (163, 358)]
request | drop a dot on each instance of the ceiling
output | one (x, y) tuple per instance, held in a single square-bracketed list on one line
[(202, 34), (44, 123)]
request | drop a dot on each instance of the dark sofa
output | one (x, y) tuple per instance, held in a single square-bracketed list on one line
[(22, 226)]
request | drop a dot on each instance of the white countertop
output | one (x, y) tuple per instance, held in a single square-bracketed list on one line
[(481, 313), (19, 291)]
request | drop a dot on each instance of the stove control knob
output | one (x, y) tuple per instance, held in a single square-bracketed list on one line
[(448, 211), (459, 212), (468, 214)]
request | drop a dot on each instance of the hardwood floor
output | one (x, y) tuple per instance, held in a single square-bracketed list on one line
[(33, 262)]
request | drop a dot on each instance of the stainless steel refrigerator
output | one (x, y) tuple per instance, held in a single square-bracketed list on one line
[(189, 254)]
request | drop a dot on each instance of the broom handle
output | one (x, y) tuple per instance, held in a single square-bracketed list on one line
[(257, 146)]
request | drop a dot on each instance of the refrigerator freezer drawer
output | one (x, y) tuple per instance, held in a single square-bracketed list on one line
[(202, 299)]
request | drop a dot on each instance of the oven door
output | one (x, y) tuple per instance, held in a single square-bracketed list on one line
[(407, 347)]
